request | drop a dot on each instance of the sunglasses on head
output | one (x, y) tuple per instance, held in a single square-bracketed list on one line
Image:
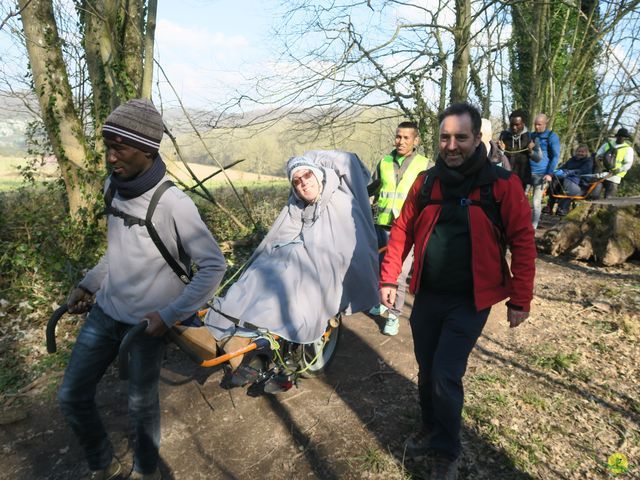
[(298, 180)]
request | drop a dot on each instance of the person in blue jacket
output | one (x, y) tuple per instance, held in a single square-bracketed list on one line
[(544, 159)]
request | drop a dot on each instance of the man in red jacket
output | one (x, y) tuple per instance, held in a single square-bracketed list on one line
[(460, 271)]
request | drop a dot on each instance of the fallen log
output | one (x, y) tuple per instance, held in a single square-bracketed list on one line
[(606, 231)]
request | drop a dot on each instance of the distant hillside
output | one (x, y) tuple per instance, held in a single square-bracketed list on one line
[(15, 115), (265, 150)]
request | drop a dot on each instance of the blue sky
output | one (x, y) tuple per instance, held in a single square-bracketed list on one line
[(207, 47)]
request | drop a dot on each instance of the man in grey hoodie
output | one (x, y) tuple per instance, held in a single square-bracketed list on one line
[(133, 283)]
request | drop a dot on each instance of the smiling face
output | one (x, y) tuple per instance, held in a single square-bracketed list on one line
[(406, 140), (126, 161), (457, 140), (306, 185)]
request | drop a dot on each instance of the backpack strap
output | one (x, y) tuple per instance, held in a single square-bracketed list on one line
[(424, 198), (487, 202), (172, 262)]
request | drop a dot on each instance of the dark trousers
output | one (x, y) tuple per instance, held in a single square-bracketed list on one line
[(445, 329), (96, 347)]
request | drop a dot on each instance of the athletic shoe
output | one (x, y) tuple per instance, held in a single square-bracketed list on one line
[(378, 310), (110, 473), (392, 327)]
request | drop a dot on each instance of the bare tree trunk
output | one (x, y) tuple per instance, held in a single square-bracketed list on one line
[(99, 41), (604, 232), (149, 41), (52, 88), (132, 46), (462, 35)]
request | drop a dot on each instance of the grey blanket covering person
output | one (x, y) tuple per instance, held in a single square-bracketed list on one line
[(317, 260)]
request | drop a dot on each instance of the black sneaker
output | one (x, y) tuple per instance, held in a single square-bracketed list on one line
[(418, 443), (443, 468)]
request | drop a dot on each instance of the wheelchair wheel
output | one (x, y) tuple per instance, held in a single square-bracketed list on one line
[(316, 357)]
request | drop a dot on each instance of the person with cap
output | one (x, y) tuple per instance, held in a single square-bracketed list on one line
[(617, 159), (391, 182), (460, 272), (132, 283)]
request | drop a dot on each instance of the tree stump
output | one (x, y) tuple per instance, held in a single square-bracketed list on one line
[(607, 231)]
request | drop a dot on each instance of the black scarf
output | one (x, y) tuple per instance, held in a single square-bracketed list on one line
[(471, 166), (142, 183)]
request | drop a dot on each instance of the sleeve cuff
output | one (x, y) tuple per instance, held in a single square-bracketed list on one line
[(82, 287), (518, 308)]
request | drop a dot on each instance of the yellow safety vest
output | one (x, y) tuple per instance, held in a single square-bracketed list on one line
[(392, 196), (621, 152)]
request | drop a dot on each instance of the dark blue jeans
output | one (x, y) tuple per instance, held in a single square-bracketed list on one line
[(95, 348), (445, 329)]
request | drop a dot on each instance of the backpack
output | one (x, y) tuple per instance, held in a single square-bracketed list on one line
[(609, 158), (130, 220), (487, 202)]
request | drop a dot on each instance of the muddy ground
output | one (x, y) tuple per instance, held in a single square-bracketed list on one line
[(551, 399)]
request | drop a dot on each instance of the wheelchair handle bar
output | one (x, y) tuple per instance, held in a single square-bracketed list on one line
[(125, 346), (51, 327)]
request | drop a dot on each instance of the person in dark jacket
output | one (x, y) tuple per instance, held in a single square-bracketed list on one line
[(515, 145), (460, 271), (569, 180)]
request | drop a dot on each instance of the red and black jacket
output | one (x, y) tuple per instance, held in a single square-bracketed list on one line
[(490, 283)]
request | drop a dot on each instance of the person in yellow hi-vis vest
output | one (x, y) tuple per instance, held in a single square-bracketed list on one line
[(616, 158), (392, 180)]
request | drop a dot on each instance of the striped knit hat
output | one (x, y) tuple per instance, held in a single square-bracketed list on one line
[(136, 123)]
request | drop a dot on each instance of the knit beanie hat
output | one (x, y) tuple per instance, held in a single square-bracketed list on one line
[(301, 163), (136, 123)]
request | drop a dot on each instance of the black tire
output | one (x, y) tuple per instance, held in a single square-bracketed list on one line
[(322, 351)]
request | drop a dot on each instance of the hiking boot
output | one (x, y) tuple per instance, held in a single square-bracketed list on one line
[(418, 443), (443, 468), (113, 471), (561, 213), (378, 310), (146, 476), (548, 210), (392, 326)]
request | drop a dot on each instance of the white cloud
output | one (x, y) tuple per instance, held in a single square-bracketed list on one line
[(422, 11), (180, 42)]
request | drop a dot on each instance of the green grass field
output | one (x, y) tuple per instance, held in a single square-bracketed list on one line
[(10, 177)]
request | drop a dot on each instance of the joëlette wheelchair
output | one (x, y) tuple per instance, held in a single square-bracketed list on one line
[(270, 364), (594, 179)]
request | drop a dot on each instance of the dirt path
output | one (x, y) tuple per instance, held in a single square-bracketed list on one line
[(551, 399)]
